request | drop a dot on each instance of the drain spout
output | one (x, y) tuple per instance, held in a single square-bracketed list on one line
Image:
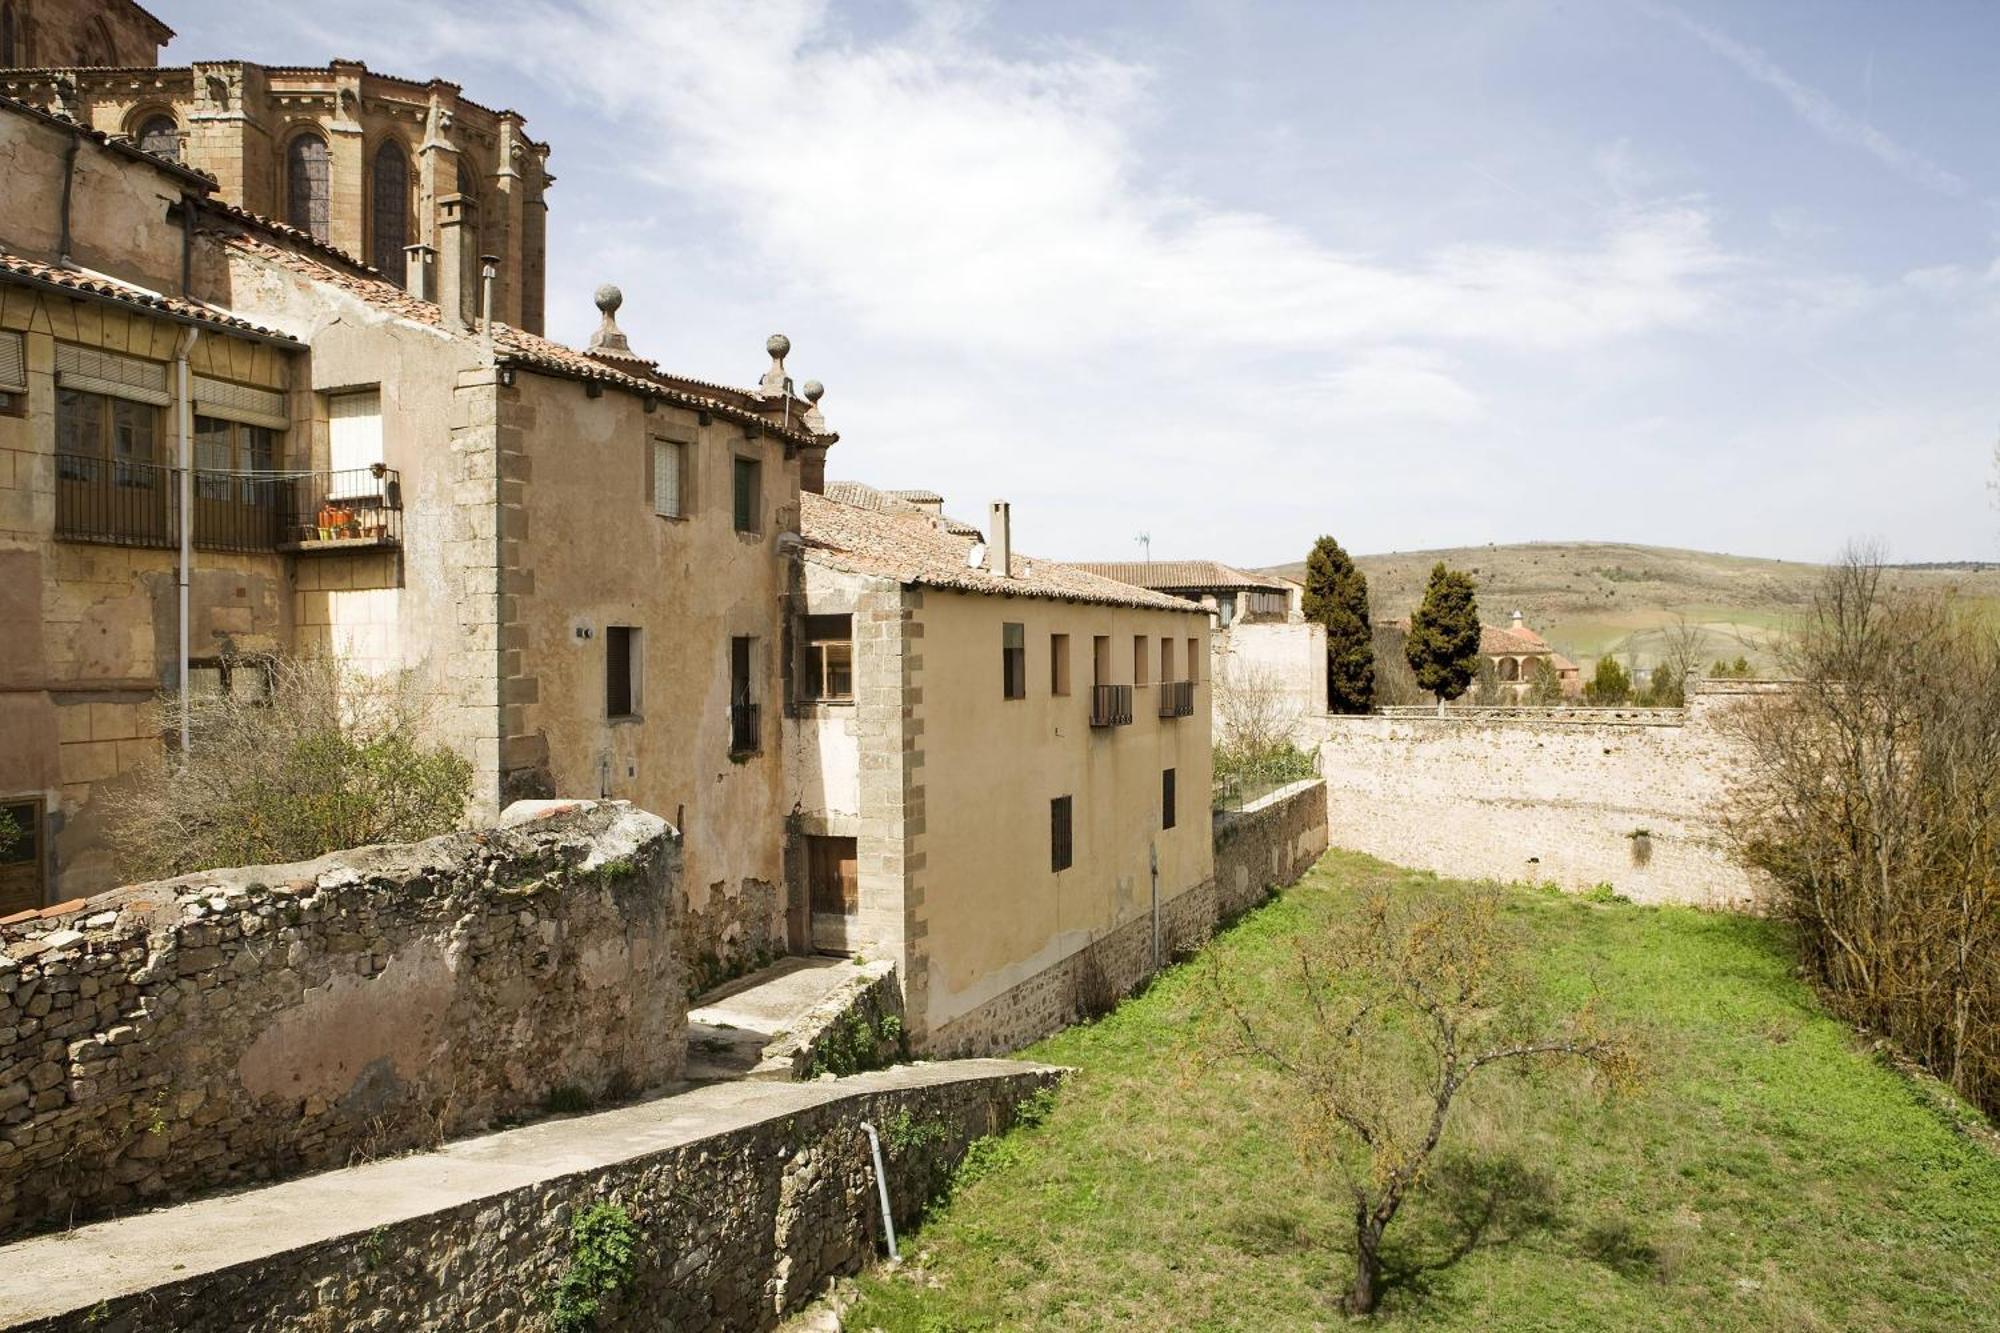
[(882, 1190)]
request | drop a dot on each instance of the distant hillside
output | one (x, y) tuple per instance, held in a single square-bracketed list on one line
[(1590, 598)]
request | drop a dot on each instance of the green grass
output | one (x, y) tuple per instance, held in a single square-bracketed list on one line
[(1770, 1175)]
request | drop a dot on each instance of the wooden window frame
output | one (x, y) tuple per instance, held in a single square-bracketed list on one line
[(824, 645), (746, 475), (1013, 660), (1062, 834), (679, 451)]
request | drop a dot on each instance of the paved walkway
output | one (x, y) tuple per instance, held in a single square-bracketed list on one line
[(729, 1027), (73, 1270)]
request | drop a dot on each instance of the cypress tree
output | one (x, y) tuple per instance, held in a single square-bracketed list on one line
[(1337, 597), (1443, 647)]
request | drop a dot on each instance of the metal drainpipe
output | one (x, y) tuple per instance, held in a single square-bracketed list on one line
[(1153, 849), (184, 451), (69, 177), (882, 1190)]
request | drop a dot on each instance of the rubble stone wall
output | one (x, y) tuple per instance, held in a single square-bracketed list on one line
[(240, 1025)]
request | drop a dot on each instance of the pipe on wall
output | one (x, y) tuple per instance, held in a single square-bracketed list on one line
[(184, 452)]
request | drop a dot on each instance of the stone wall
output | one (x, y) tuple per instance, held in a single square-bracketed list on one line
[(862, 1016), (745, 1199), (1266, 845), (1635, 799), (169, 1038)]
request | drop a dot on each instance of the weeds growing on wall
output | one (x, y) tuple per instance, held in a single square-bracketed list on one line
[(604, 1245), (854, 1045)]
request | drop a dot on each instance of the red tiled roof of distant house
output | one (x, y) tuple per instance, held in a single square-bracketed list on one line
[(1193, 575)]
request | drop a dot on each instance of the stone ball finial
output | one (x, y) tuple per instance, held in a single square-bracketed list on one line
[(609, 298), (778, 345), (813, 391)]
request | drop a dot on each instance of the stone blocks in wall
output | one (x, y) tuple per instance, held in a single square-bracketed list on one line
[(239, 1025)]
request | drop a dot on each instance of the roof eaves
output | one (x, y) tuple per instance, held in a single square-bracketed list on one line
[(116, 143)]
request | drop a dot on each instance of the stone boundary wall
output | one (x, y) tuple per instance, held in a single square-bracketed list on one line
[(873, 996), (746, 1198), (1576, 797), (1266, 845), (240, 1025)]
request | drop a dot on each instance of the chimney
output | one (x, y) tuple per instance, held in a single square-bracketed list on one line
[(453, 236), (420, 271), (1000, 540), (1517, 620)]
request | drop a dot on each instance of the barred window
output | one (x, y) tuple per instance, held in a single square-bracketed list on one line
[(161, 137)]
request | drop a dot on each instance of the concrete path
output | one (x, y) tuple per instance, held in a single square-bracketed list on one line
[(73, 1270), (729, 1027)]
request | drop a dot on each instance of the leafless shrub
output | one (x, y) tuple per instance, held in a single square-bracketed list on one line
[(1874, 805), (1384, 1022), (1094, 995), (1254, 713), (325, 758)]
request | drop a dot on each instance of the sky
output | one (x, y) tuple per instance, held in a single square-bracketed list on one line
[(1232, 275)]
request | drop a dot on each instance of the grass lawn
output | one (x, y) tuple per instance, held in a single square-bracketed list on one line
[(1771, 1174)]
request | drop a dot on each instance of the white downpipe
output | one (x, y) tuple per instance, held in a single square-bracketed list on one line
[(882, 1191), (184, 450)]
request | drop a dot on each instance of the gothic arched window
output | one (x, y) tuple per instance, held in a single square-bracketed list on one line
[(160, 136), (9, 38), (309, 185), (392, 209)]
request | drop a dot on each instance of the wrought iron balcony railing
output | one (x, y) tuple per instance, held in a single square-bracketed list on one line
[(138, 504), (1176, 698), (1110, 705)]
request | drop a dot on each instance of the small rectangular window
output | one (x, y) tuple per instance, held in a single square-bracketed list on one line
[(669, 478), (1167, 798), (829, 657), (1193, 650), (1166, 660), (1100, 660), (621, 671), (746, 734), (1140, 671), (1059, 664), (749, 495), (1059, 834), (1013, 661), (13, 373)]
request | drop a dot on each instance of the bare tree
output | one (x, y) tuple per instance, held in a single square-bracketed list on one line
[(318, 757), (1873, 803), (1254, 713), (1380, 1029)]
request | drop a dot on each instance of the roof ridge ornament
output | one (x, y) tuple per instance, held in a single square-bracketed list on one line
[(609, 342)]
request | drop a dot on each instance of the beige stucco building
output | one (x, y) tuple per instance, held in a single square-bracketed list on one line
[(415, 178), (372, 479), (998, 763)]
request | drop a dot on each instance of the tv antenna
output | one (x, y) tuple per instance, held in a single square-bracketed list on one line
[(1145, 540)]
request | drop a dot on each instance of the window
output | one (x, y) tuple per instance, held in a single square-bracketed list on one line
[(1167, 798), (745, 734), (829, 664), (10, 53), (1193, 649), (244, 678), (223, 448), (1166, 660), (308, 185), (749, 494), (1100, 660), (1140, 672), (1058, 664), (1060, 855), (1013, 661), (354, 435), (160, 136), (93, 430), (1225, 608), (13, 373), (670, 478), (21, 861), (622, 671), (391, 206)]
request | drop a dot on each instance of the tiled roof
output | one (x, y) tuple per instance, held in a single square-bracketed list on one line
[(116, 143), (96, 286), (901, 542), (1494, 641), (1193, 574), (863, 496), (511, 346)]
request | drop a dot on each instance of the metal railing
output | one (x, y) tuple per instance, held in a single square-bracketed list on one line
[(1110, 705), (139, 504), (1176, 698), (746, 734)]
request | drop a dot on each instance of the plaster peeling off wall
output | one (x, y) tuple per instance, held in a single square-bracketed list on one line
[(1549, 795), (167, 1039)]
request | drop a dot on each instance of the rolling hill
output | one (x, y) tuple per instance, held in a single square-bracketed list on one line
[(1592, 598)]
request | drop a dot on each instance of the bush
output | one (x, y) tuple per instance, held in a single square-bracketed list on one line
[(328, 758), (1609, 686)]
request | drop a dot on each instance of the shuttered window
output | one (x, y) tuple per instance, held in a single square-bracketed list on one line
[(355, 430), (749, 494), (1060, 855), (669, 473), (88, 370), (1167, 802), (240, 402), (13, 364)]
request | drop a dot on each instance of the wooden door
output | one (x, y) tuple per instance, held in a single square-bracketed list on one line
[(834, 885)]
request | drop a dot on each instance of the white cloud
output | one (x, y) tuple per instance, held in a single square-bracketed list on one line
[(1394, 383), (1818, 110)]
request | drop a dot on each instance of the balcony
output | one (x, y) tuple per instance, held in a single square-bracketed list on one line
[(138, 504), (1176, 698), (1111, 705), (746, 734)]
